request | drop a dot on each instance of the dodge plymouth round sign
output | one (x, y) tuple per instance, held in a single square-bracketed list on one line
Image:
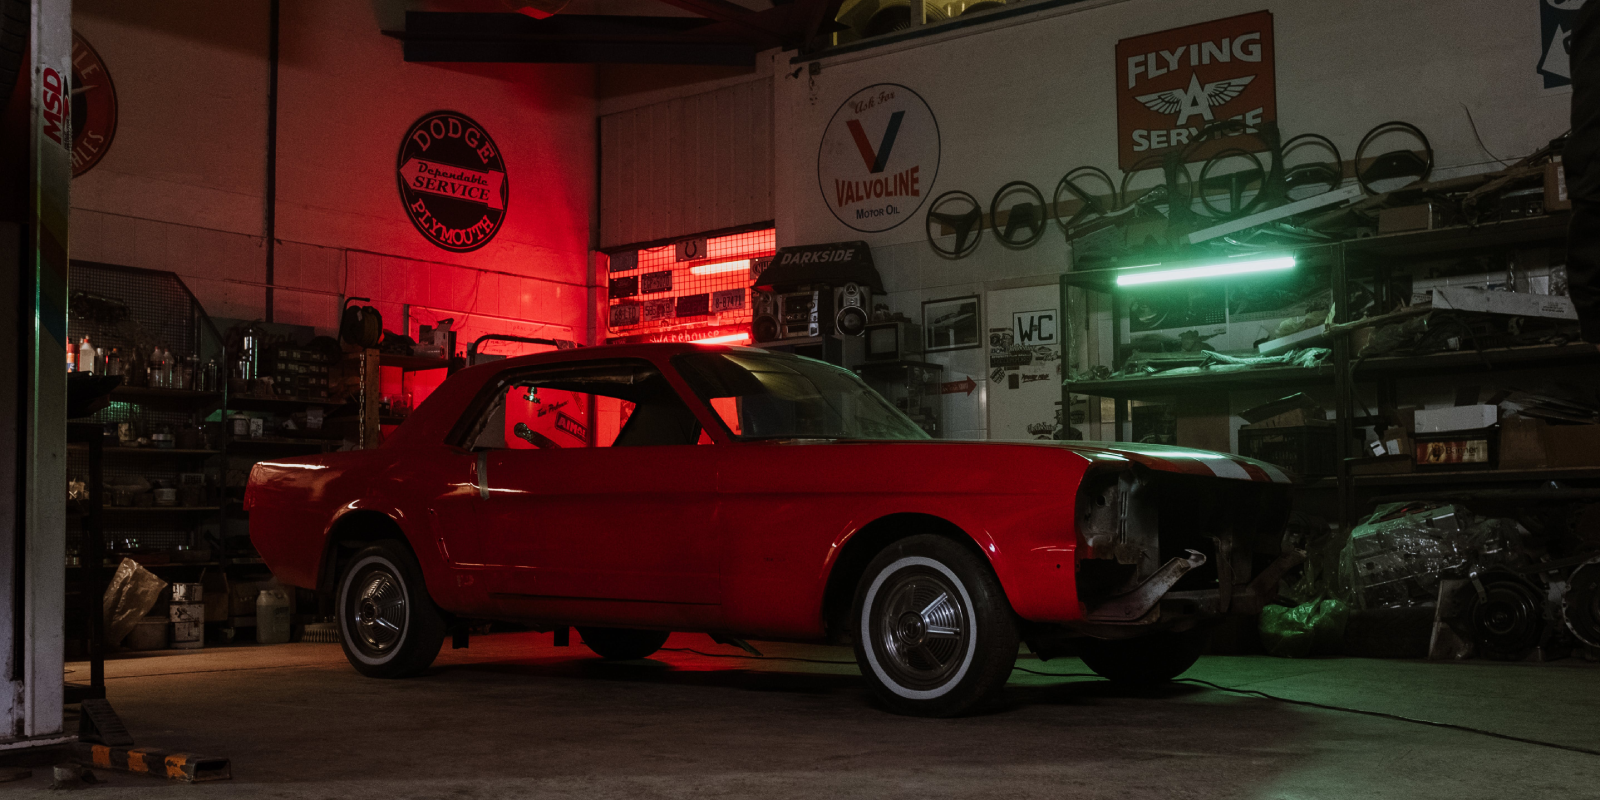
[(879, 157), (1173, 83), (453, 181)]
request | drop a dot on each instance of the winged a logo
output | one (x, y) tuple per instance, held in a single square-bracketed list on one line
[(1196, 99)]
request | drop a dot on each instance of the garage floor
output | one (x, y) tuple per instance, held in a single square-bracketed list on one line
[(514, 716)]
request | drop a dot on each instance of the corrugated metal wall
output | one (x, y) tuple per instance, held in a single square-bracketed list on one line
[(686, 166)]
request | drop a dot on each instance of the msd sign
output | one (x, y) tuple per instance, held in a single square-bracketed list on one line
[(1173, 83), (878, 158)]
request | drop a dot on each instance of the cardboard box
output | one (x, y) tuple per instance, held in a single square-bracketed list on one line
[(1572, 445), (1455, 418), (1204, 423), (1555, 186), (1516, 304), (1522, 443), (1396, 441), (1451, 451), (1421, 217)]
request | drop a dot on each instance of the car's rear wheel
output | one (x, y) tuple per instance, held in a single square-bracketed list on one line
[(1145, 661), (935, 635), (622, 644), (388, 625)]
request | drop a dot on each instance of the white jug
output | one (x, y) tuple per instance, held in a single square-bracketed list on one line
[(272, 617)]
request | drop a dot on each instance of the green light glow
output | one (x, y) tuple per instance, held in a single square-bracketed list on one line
[(1241, 267)]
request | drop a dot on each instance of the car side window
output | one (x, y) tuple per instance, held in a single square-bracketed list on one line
[(620, 405)]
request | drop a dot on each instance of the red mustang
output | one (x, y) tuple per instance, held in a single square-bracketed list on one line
[(636, 490)]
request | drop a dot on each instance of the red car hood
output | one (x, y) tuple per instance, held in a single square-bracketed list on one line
[(1166, 458)]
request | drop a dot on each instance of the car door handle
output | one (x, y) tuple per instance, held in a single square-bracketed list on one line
[(483, 475)]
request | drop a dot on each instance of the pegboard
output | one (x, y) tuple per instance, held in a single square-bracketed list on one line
[(675, 310)]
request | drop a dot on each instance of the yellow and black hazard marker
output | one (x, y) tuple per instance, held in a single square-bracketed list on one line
[(186, 767)]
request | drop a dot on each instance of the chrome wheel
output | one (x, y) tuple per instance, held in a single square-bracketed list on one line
[(379, 612), (921, 628)]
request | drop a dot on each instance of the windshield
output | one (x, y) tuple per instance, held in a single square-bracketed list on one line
[(765, 396)]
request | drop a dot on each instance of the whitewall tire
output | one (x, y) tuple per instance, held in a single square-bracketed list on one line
[(934, 634), (388, 625)]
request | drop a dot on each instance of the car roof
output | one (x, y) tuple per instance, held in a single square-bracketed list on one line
[(433, 419), (610, 351)]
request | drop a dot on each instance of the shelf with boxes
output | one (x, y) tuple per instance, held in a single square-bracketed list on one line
[(1383, 321)]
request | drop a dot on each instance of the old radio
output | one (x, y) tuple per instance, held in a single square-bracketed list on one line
[(787, 315)]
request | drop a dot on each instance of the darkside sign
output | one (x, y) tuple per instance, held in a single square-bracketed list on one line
[(1173, 83), (453, 181)]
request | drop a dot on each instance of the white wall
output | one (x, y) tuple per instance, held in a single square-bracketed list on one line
[(1032, 97)]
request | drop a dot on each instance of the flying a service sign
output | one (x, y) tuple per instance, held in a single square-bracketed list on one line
[(1171, 84), (879, 157), (452, 181)]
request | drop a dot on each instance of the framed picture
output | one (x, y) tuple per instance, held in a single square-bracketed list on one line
[(951, 324)]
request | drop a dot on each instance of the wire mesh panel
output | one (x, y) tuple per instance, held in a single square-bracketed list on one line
[(130, 308), (664, 299), (138, 311)]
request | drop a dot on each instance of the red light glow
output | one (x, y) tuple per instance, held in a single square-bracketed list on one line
[(718, 269), (732, 338)]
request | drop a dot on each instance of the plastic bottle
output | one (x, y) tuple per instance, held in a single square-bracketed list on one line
[(272, 617), (158, 369), (86, 356), (72, 357)]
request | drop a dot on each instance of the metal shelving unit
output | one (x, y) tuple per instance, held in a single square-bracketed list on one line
[(369, 363), (1371, 256), (135, 310)]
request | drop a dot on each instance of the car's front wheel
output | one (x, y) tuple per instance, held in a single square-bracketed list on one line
[(1145, 661), (388, 625), (935, 635)]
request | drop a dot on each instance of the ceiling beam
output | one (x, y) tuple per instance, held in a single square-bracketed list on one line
[(569, 39), (724, 11)]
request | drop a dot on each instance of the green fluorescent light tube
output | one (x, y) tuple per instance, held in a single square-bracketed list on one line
[(1242, 267)]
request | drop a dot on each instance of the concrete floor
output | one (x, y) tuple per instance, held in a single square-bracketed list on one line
[(515, 717)]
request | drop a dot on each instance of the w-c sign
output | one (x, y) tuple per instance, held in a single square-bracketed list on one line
[(1029, 328)]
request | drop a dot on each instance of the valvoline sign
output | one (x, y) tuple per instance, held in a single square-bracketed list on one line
[(879, 157)]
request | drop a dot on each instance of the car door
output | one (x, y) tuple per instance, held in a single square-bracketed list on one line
[(569, 516)]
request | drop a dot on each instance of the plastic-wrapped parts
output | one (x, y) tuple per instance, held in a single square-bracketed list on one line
[(1397, 556), (133, 591), (1314, 628)]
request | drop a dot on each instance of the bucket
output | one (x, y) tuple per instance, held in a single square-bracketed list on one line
[(272, 617), (187, 612), (189, 635), (149, 634)]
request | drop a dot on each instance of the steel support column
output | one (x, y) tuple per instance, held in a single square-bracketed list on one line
[(33, 531)]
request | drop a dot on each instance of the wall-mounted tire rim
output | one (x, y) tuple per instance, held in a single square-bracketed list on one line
[(919, 628), (375, 610)]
